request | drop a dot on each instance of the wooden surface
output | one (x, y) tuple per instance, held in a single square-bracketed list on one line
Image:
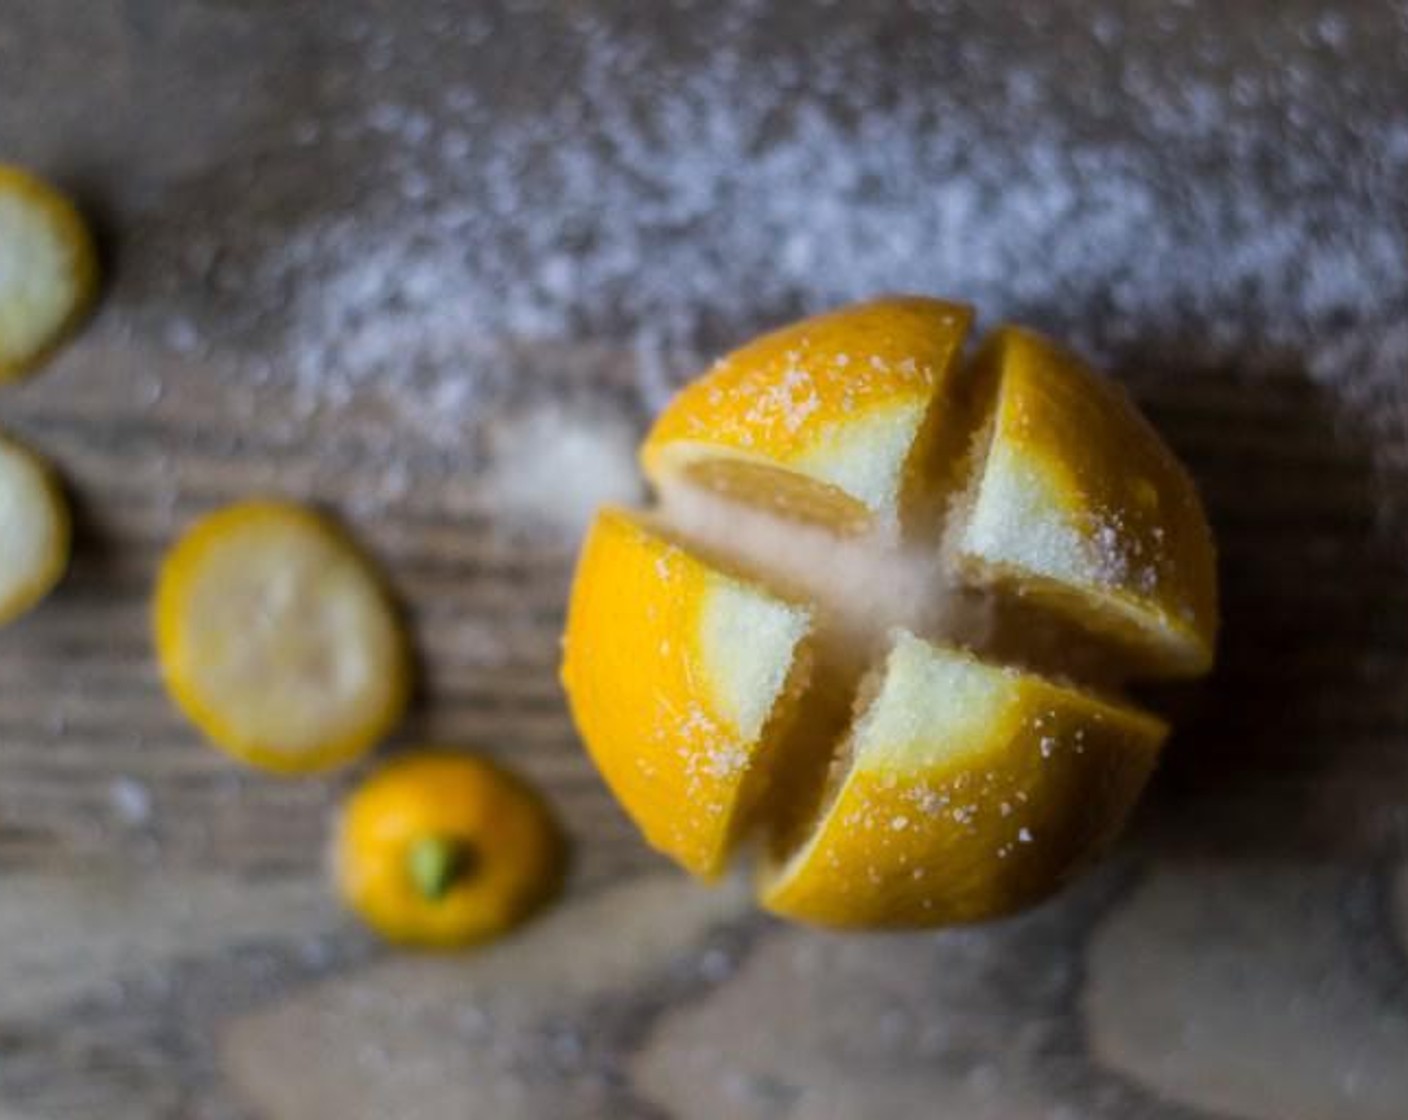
[(168, 947)]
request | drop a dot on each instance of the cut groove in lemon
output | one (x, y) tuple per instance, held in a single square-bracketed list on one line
[(48, 270), (278, 640), (975, 533), (966, 792), (35, 530), (681, 678)]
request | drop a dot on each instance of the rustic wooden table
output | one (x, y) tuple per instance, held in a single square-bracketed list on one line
[(390, 255)]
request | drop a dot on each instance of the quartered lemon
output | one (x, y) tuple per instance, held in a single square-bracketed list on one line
[(48, 270), (440, 849), (820, 420), (877, 629), (34, 530), (967, 791), (278, 640), (691, 693)]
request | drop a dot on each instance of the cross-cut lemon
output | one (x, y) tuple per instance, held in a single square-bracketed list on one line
[(440, 849), (966, 559), (278, 640), (34, 530), (48, 270), (681, 679)]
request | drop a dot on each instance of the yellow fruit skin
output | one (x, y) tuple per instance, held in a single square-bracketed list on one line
[(178, 660), (971, 816), (841, 399), (515, 865), (1111, 531), (966, 790), (685, 750), (83, 261), (28, 597)]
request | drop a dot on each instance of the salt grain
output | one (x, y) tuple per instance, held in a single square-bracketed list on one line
[(131, 801), (553, 469), (669, 210)]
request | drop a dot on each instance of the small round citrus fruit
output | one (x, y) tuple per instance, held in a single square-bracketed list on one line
[(48, 270), (878, 627), (440, 849), (278, 640), (34, 530)]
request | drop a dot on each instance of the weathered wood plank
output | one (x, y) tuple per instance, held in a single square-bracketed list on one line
[(168, 947)]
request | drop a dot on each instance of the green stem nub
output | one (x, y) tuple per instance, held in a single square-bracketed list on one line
[(436, 864)]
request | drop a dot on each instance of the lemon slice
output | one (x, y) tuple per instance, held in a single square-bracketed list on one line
[(967, 790), (48, 270), (34, 530), (679, 676), (278, 639)]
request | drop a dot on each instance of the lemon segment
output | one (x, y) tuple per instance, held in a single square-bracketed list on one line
[(35, 530), (495, 848), (840, 401), (679, 678), (48, 270), (277, 639), (1080, 506), (968, 791)]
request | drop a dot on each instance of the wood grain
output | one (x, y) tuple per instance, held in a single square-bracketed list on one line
[(168, 947)]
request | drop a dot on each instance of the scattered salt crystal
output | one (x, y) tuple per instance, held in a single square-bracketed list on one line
[(181, 336), (553, 469), (1024, 835), (670, 217), (131, 801), (716, 965), (725, 762)]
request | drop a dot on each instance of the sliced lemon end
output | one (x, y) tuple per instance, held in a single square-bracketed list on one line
[(35, 530), (678, 675), (971, 791), (840, 400), (48, 270), (277, 639), (1078, 505), (441, 850)]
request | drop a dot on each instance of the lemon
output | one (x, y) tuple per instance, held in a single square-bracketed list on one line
[(877, 628), (440, 849)]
